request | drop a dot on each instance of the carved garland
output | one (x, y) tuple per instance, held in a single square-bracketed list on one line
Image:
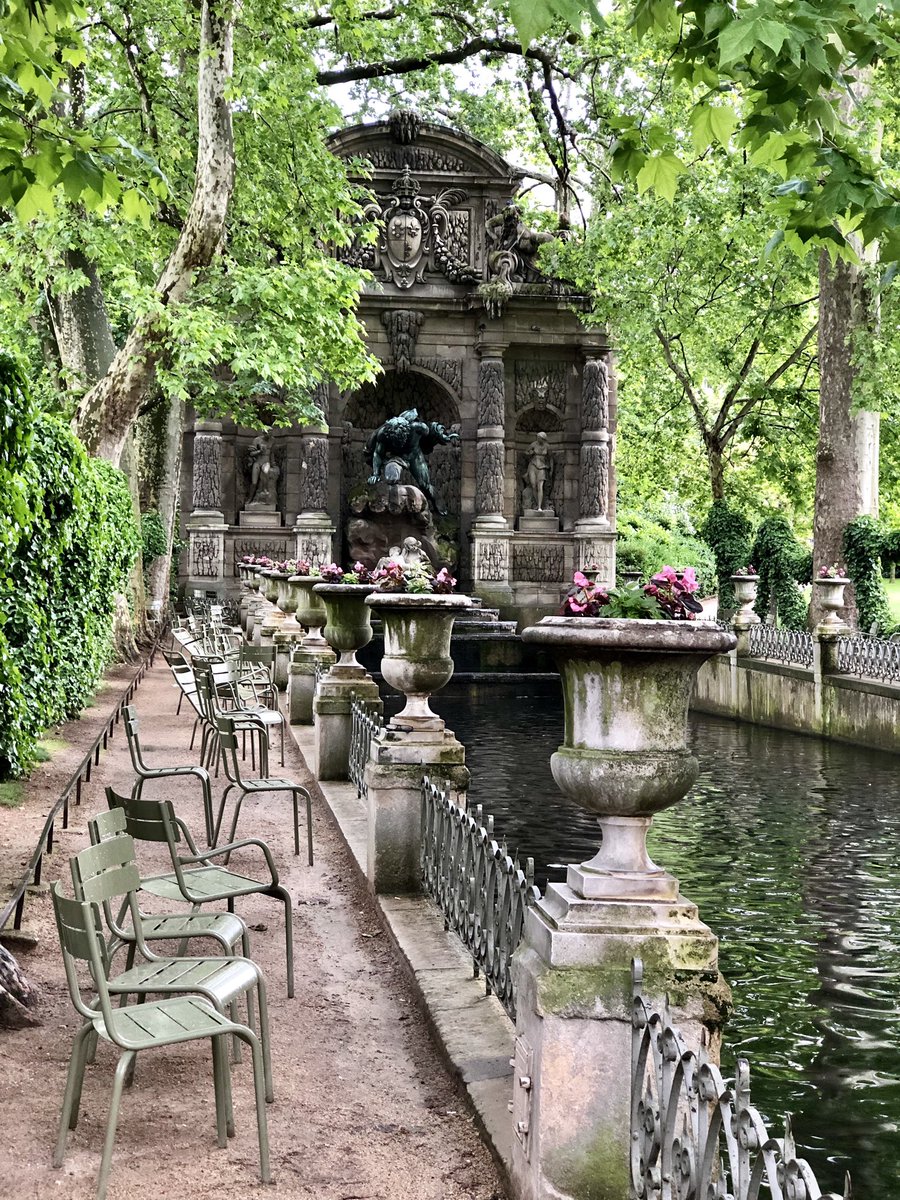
[(207, 482)]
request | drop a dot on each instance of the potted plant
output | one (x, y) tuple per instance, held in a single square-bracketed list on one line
[(745, 581), (628, 659), (417, 609), (348, 625)]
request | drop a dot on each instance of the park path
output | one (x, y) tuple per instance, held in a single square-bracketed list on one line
[(364, 1108)]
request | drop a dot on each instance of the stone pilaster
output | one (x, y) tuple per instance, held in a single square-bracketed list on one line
[(595, 539), (491, 559), (313, 528), (206, 525)]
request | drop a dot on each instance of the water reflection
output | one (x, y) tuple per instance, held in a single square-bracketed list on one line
[(790, 847)]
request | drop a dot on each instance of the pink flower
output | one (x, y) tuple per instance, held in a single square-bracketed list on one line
[(689, 579), (575, 607), (581, 580), (669, 574)]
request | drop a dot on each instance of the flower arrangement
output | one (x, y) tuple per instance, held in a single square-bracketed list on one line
[(334, 573), (833, 572), (258, 560), (287, 566), (400, 577), (669, 596), (748, 570)]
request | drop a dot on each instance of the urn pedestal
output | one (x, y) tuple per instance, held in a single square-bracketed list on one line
[(348, 628), (416, 662), (624, 757), (830, 594), (309, 653)]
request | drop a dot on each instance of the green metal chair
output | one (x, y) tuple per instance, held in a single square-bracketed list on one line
[(107, 873), (226, 928), (144, 772), (195, 878), (137, 1027), (245, 787)]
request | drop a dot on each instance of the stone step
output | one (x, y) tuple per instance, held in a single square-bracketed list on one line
[(466, 628), (479, 614)]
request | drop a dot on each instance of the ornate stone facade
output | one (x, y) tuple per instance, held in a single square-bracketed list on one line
[(472, 334)]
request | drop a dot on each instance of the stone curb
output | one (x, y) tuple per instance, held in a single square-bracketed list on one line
[(470, 1028)]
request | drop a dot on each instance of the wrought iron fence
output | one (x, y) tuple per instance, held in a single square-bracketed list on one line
[(481, 890), (783, 645), (694, 1134), (872, 657), (365, 724)]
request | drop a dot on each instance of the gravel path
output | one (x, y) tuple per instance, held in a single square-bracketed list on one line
[(364, 1109)]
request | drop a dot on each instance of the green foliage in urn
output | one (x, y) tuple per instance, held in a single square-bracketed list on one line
[(863, 543), (68, 541), (780, 559), (728, 533)]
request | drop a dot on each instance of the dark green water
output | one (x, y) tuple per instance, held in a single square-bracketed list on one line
[(791, 848)]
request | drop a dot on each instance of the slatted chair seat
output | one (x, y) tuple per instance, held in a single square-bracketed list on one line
[(200, 883)]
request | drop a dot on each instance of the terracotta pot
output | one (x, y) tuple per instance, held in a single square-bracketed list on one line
[(831, 599), (626, 689), (745, 591), (417, 661), (348, 626)]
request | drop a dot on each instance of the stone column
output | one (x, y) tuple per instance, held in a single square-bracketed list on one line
[(313, 528), (206, 526), (490, 532), (593, 532)]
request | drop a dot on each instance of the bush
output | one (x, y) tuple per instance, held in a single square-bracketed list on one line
[(863, 544), (67, 545), (781, 561), (647, 543), (728, 534)]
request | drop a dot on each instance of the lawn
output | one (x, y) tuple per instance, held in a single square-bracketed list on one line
[(892, 587)]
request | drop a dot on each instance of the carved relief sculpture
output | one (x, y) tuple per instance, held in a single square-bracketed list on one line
[(207, 483), (491, 391), (489, 477), (402, 326), (493, 558), (512, 247), (540, 382), (595, 394), (314, 474), (595, 480)]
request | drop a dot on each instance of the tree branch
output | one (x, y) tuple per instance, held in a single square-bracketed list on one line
[(404, 66)]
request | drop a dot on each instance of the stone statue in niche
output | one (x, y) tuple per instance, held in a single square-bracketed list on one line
[(512, 247), (538, 475), (403, 441), (264, 472)]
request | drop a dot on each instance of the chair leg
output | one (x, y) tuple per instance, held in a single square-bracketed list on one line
[(234, 821), (123, 1067), (285, 896), (309, 826), (220, 1068), (194, 732), (217, 828), (138, 788), (262, 1125), (264, 1034), (68, 1118), (206, 789), (282, 739), (296, 823)]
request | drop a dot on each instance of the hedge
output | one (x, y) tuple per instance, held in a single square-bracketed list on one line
[(650, 541), (68, 542)]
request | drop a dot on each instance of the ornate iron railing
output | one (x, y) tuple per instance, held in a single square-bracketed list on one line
[(783, 645), (365, 724), (871, 657), (482, 891), (695, 1135)]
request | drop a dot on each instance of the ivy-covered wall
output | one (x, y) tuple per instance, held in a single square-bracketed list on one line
[(68, 541)]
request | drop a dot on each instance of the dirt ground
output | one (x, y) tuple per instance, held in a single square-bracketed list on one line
[(364, 1108)]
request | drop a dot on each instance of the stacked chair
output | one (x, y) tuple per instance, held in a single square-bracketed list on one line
[(156, 998)]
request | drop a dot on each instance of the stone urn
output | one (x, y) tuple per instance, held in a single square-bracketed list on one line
[(830, 594), (417, 661), (745, 590), (253, 576), (287, 595), (626, 689), (268, 584), (310, 610), (348, 625)]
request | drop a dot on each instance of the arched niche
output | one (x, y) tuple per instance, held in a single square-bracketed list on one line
[(390, 394), (540, 419)]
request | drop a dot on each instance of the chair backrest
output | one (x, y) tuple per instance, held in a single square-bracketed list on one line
[(134, 741), (80, 937), (257, 654), (229, 742), (145, 820), (107, 871), (105, 825)]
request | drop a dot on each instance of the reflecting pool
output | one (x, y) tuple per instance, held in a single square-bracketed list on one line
[(791, 848)]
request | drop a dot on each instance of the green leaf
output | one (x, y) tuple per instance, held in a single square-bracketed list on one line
[(712, 124), (135, 207), (660, 173), (531, 18), (736, 41), (36, 199)]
